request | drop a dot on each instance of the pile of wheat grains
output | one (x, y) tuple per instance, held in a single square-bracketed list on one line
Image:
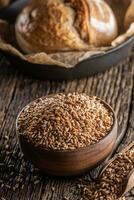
[(112, 180), (65, 121)]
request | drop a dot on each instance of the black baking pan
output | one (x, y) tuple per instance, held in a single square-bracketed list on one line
[(10, 12), (95, 64)]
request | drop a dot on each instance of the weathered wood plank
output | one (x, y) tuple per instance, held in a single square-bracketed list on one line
[(117, 90), (26, 90), (7, 88), (129, 136), (114, 86)]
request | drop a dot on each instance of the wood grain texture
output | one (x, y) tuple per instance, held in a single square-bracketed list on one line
[(115, 86)]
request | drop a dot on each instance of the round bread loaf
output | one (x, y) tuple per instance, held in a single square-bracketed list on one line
[(58, 26)]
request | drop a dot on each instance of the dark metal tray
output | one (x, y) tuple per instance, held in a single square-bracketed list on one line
[(91, 66)]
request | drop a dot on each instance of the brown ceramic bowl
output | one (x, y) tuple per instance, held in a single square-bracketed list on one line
[(70, 162)]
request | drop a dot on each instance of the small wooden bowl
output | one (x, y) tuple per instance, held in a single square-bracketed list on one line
[(70, 162)]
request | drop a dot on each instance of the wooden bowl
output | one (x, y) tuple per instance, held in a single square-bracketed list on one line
[(69, 162)]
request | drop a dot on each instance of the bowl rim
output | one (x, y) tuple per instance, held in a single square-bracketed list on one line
[(41, 147)]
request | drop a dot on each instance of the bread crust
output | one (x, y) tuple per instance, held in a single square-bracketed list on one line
[(64, 25), (103, 25), (119, 8)]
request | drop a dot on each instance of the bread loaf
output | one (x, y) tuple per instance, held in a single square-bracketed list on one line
[(65, 25)]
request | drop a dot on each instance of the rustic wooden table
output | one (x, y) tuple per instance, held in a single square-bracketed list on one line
[(18, 179)]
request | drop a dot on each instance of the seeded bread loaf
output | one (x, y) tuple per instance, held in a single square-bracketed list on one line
[(55, 26)]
